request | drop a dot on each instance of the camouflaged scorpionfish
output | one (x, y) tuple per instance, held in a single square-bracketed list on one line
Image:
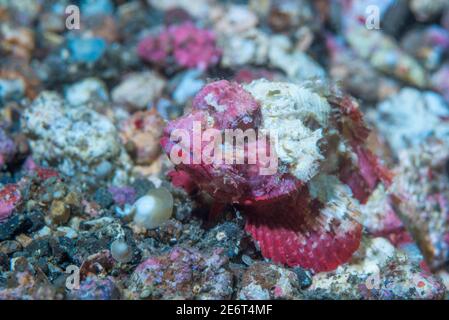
[(305, 213)]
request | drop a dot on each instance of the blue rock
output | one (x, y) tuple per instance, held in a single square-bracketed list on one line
[(167, 109), (189, 84), (11, 90), (413, 252), (86, 49), (96, 7)]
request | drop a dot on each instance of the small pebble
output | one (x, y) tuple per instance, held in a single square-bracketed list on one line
[(103, 197), (121, 251), (59, 212), (153, 209), (10, 246)]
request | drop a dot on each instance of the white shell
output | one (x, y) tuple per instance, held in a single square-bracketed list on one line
[(121, 252), (153, 209)]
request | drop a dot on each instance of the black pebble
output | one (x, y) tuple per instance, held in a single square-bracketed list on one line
[(103, 197), (63, 249), (21, 223), (142, 186), (4, 262), (39, 248), (304, 278), (447, 168), (15, 225)]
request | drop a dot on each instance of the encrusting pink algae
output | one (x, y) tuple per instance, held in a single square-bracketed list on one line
[(185, 44)]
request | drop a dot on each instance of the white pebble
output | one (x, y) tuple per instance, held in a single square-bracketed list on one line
[(67, 232), (44, 232), (121, 251), (153, 209)]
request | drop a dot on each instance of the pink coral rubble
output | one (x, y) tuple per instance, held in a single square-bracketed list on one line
[(189, 46), (9, 199)]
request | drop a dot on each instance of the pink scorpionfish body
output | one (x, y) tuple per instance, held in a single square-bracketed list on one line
[(305, 212)]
